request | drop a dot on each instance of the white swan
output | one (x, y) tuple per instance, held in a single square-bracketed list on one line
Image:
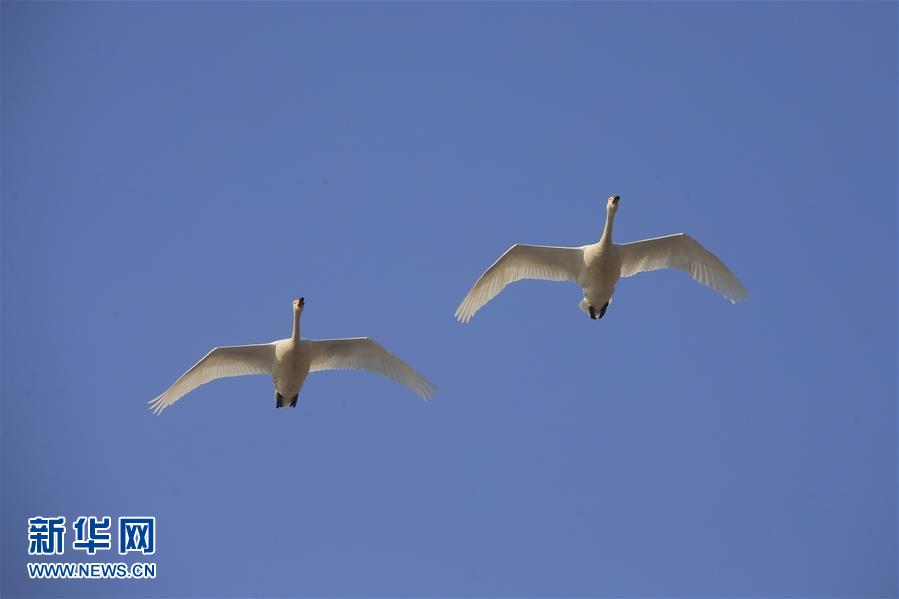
[(289, 361), (598, 266)]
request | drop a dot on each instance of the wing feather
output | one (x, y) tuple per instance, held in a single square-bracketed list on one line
[(522, 262), (221, 362), (684, 253), (363, 353)]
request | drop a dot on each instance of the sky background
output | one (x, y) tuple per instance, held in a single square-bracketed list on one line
[(174, 174)]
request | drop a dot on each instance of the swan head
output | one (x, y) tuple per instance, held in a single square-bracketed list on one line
[(299, 304), (612, 204)]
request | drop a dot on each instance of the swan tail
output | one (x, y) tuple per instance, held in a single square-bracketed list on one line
[(584, 306)]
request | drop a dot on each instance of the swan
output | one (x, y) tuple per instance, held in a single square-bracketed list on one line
[(597, 267), (289, 361)]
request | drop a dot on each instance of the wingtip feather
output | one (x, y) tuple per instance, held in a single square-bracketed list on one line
[(428, 391), (158, 404)]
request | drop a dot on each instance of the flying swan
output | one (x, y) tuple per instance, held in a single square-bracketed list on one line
[(289, 361), (597, 267)]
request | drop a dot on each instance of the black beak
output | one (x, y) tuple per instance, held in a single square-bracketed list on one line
[(615, 199)]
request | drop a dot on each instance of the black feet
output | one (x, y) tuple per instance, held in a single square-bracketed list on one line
[(280, 402), (602, 311)]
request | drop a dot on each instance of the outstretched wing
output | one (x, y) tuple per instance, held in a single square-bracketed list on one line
[(684, 253), (522, 262), (362, 353), (221, 362)]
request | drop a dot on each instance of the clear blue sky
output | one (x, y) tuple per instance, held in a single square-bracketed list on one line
[(173, 174)]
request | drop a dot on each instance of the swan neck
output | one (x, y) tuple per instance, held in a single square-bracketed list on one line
[(296, 325), (606, 238)]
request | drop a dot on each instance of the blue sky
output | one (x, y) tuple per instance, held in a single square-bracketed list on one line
[(173, 174)]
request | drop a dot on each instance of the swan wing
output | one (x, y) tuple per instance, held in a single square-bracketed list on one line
[(522, 262), (362, 353), (684, 253), (221, 362)]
